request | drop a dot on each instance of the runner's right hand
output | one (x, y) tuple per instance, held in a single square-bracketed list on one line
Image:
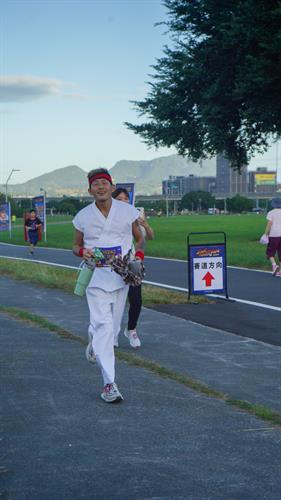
[(88, 253)]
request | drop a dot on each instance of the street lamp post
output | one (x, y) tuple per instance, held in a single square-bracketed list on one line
[(10, 175), (6, 198), (167, 207), (45, 222)]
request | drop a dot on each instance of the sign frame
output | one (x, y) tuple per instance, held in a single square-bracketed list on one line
[(265, 178), (6, 224), (220, 248), (130, 186)]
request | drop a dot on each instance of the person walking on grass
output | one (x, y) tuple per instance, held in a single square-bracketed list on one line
[(273, 231), (135, 292), (32, 226), (109, 226)]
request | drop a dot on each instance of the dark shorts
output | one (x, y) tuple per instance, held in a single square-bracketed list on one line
[(274, 246), (33, 237)]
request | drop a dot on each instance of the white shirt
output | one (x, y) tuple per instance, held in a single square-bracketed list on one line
[(105, 232), (275, 217)]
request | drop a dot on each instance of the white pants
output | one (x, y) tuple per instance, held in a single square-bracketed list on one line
[(106, 311)]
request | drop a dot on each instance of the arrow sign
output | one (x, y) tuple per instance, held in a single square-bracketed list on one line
[(208, 279), (207, 268)]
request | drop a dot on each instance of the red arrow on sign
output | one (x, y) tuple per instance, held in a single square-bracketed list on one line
[(208, 279)]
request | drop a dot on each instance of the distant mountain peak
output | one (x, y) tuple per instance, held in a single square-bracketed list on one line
[(146, 174)]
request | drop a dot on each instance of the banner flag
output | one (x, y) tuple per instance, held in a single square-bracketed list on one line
[(130, 186), (5, 217), (38, 203)]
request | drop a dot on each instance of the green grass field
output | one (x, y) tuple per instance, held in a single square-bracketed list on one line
[(242, 232), (65, 279), (57, 219)]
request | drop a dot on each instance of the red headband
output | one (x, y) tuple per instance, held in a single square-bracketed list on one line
[(101, 175)]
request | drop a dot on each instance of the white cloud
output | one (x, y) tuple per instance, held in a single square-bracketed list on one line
[(27, 88)]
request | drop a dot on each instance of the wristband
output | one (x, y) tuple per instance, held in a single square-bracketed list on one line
[(139, 254), (81, 252)]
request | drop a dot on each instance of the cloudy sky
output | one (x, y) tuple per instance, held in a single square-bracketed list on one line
[(68, 69)]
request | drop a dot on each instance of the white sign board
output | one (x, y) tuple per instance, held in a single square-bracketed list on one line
[(207, 268)]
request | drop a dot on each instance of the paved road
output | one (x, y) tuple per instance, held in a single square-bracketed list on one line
[(243, 284), (240, 318), (254, 286), (165, 441)]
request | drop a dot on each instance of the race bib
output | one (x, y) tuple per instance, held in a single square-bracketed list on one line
[(108, 255)]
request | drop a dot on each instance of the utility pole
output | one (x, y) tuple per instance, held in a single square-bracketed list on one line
[(45, 214), (6, 198), (10, 175)]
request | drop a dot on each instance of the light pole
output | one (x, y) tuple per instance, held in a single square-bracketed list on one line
[(10, 175), (167, 207), (43, 190), (45, 222)]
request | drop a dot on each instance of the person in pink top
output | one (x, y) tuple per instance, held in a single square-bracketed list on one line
[(273, 231)]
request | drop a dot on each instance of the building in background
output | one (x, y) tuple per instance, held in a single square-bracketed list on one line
[(222, 175), (180, 185), (228, 180), (263, 181)]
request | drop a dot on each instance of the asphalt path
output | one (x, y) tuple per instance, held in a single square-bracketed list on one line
[(243, 284), (166, 441), (257, 294)]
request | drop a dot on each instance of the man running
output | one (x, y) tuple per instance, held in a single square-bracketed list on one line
[(32, 225), (110, 226)]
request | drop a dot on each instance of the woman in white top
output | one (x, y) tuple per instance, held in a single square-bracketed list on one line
[(273, 231)]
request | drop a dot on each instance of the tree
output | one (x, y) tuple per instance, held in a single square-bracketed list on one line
[(70, 205), (239, 204), (197, 200), (67, 207), (152, 205), (217, 90)]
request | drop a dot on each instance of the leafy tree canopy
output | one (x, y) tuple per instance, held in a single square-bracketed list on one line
[(197, 200), (67, 207), (239, 204), (217, 89)]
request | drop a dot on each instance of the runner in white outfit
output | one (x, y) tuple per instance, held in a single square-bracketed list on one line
[(109, 225)]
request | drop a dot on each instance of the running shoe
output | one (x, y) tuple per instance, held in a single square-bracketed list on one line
[(111, 394), (275, 269), (133, 338)]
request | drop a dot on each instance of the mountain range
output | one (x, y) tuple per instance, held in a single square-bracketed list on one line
[(147, 175)]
